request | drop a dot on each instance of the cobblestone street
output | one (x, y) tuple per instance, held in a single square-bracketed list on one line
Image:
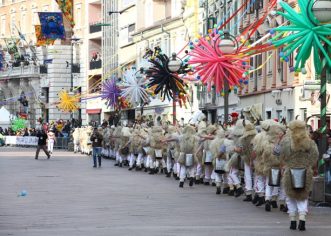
[(66, 196)]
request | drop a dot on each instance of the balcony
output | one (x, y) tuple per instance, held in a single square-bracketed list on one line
[(21, 71), (95, 65), (75, 68), (94, 28)]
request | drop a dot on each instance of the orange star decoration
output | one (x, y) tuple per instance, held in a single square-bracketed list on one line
[(68, 102)]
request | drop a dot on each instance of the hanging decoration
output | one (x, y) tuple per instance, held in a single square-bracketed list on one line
[(214, 66), (167, 83), (66, 7), (41, 40), (18, 124), (302, 36), (110, 92), (68, 102), (52, 25), (134, 87)]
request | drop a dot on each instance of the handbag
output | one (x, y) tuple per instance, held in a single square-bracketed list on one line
[(298, 177), (274, 177)]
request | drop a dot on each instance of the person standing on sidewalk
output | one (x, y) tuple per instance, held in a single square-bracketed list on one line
[(51, 141), (96, 139), (42, 137)]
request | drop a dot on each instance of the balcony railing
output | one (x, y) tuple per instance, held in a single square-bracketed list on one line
[(95, 65), (43, 69), (29, 70), (94, 28)]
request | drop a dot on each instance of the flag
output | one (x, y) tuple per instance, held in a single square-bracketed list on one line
[(66, 7), (52, 25), (41, 40)]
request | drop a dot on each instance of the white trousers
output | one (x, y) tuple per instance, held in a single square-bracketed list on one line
[(140, 159), (118, 158), (50, 145), (270, 191), (248, 179), (76, 147), (132, 160), (199, 171), (208, 170), (149, 162), (219, 178), (295, 206), (169, 163), (160, 163), (233, 176), (259, 184), (186, 171), (213, 176)]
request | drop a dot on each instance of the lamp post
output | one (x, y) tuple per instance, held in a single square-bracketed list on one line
[(174, 65), (226, 45)]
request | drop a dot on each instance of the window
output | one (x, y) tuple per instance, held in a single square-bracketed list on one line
[(12, 25), (259, 63), (290, 114), (3, 26), (269, 69), (268, 113), (148, 13), (279, 115), (131, 30), (303, 113), (23, 22), (78, 16)]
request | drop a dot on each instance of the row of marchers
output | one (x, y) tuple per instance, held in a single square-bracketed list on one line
[(276, 161)]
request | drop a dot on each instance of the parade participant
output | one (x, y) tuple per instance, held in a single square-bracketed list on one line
[(156, 149), (50, 141), (76, 139), (217, 149), (299, 154), (234, 118), (259, 178), (123, 147), (271, 164), (246, 149), (42, 137), (207, 158), (172, 150), (96, 139), (202, 125), (117, 142), (135, 148), (234, 161)]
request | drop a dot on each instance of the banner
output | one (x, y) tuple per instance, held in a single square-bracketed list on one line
[(42, 41), (20, 140), (52, 25), (1, 60), (66, 7)]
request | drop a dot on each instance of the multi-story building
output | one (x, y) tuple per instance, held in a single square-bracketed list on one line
[(45, 70), (163, 24), (274, 90)]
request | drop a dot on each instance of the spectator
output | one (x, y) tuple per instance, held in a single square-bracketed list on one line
[(96, 139), (26, 132)]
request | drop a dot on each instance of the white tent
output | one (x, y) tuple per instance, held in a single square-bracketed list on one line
[(4, 117)]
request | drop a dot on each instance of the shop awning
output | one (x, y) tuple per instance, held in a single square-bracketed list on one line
[(93, 111)]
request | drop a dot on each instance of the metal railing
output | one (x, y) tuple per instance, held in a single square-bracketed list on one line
[(61, 143), (20, 71)]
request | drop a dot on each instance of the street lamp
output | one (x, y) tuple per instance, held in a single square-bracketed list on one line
[(174, 65), (226, 44)]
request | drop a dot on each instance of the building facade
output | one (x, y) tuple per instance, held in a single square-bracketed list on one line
[(42, 71)]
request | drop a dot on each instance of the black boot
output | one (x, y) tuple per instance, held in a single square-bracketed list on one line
[(206, 183), (120, 165), (293, 225), (177, 178), (191, 182), (239, 191), (274, 204), (248, 198), (226, 190), (197, 181), (260, 201), (255, 199), (283, 208), (213, 184), (231, 192), (130, 168), (151, 172), (165, 171), (156, 171), (116, 164), (146, 169), (302, 225), (181, 184), (218, 190), (174, 175), (267, 206), (168, 174)]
